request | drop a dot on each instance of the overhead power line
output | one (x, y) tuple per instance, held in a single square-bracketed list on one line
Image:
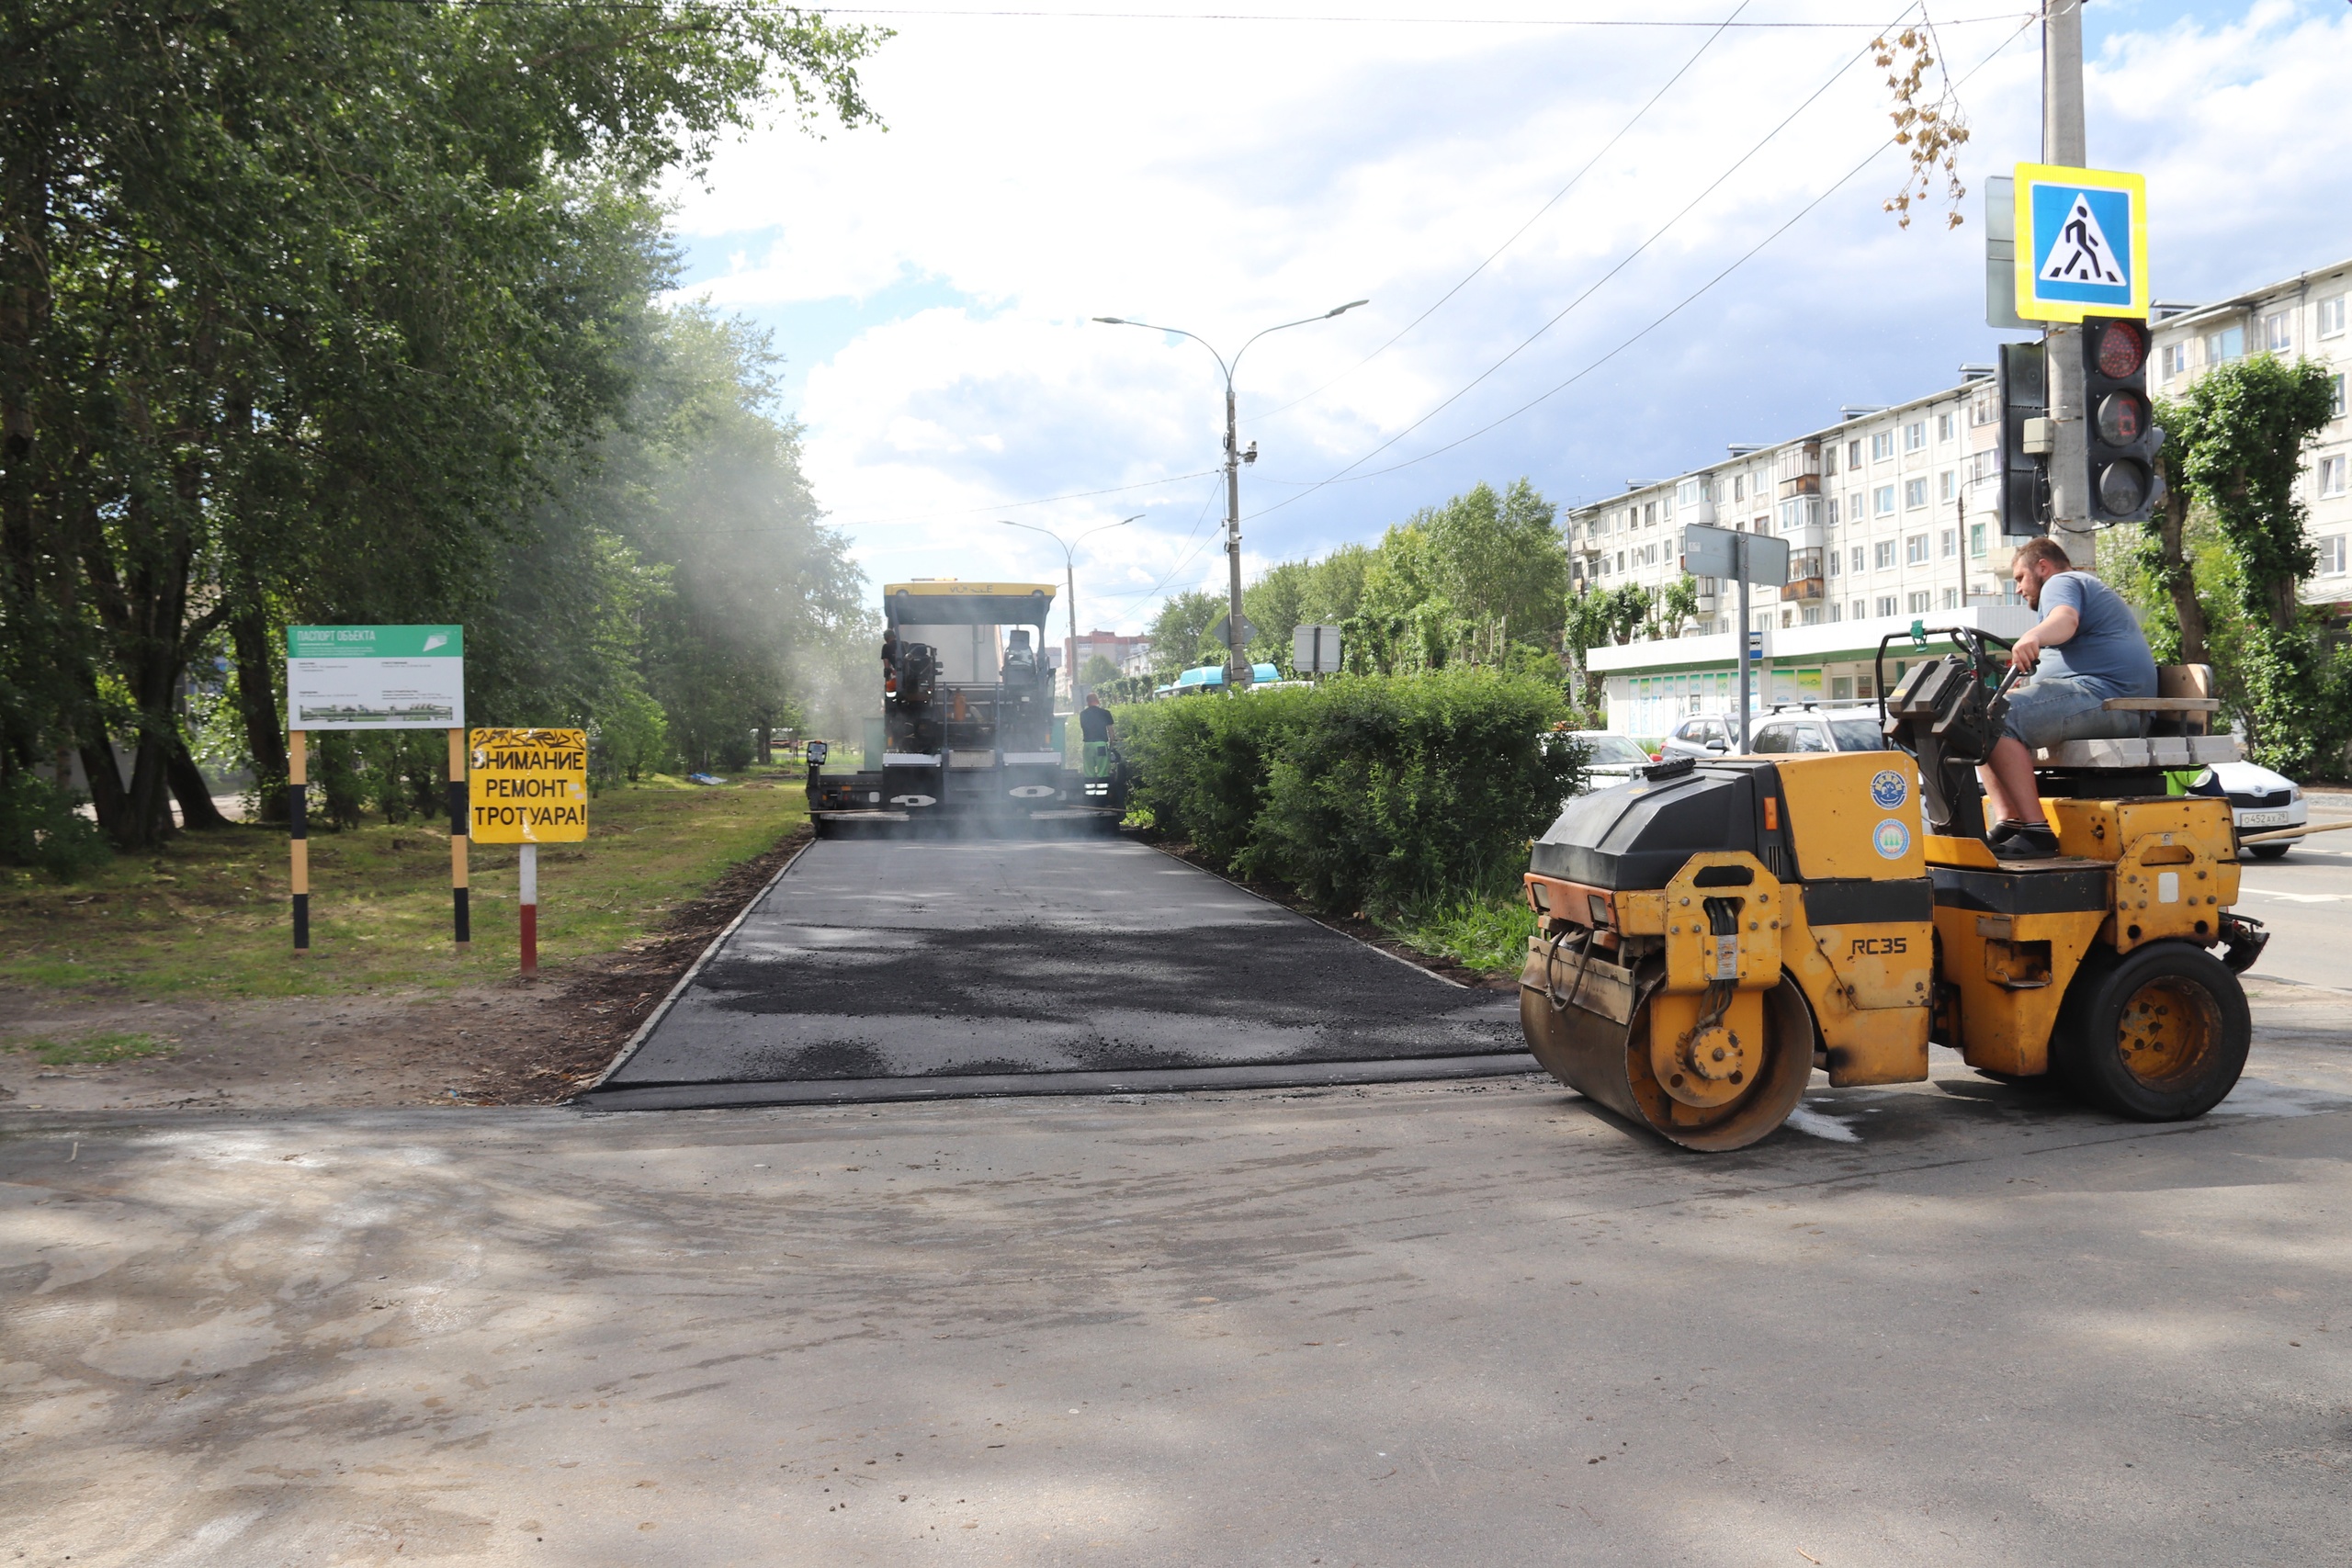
[(751, 7), (1557, 197), (1681, 304)]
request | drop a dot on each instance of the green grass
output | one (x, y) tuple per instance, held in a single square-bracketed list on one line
[(1482, 933), (209, 914), (56, 1052)]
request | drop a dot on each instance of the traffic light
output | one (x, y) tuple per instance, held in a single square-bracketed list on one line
[(2120, 437), (2021, 384)]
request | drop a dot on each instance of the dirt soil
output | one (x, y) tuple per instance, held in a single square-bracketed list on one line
[(1361, 930), (518, 1042)]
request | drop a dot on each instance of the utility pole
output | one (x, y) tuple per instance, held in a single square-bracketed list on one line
[(1238, 674), (2063, 143)]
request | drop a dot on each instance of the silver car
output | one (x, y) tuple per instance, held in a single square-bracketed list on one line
[(1609, 758)]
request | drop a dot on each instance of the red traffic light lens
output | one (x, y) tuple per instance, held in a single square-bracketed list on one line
[(2122, 417), (2123, 349)]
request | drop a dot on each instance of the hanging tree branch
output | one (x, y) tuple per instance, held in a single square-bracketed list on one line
[(1931, 131)]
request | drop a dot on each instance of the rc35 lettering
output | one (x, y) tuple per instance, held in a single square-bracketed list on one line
[(1878, 946)]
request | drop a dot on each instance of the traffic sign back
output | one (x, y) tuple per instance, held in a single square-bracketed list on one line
[(2082, 243)]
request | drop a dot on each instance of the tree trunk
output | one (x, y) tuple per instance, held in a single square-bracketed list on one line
[(257, 706), (2179, 581), (188, 787)]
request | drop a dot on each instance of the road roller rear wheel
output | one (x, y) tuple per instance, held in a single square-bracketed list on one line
[(2159, 1034)]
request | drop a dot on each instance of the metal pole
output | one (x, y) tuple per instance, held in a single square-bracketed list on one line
[(461, 831), (529, 898), (1238, 671), (2063, 143), (1069, 579), (297, 834), (1739, 563)]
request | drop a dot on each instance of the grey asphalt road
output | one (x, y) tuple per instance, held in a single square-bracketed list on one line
[(880, 968), (2306, 900), (1474, 1322)]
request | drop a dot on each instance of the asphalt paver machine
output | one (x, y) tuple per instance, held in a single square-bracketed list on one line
[(967, 735), (1710, 934)]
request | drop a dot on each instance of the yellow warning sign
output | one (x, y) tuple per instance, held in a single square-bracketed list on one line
[(528, 786)]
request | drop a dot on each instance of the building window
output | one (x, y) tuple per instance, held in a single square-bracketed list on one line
[(1951, 598), (1832, 611), (1950, 542), (2224, 345), (2331, 556), (1861, 609), (1945, 426), (1692, 491), (1976, 539), (2278, 332), (1914, 435), (1861, 563), (2330, 475), (1829, 458), (1946, 483), (1919, 601), (1649, 514), (2176, 360), (1886, 603), (1915, 493), (1885, 557), (1882, 446), (1620, 560), (2330, 317), (1739, 486), (1853, 453), (2335, 403), (1837, 559), (1984, 409), (1884, 501), (1812, 615), (1915, 550), (1982, 465)]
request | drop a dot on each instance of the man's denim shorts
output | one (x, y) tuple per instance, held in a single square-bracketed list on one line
[(2046, 712)]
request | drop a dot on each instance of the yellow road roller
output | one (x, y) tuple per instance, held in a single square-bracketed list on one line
[(1711, 933)]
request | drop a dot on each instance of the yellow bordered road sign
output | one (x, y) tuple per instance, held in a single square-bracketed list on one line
[(2082, 243), (528, 786)]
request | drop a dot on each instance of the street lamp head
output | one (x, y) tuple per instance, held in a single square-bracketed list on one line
[(1342, 310), (1111, 321)]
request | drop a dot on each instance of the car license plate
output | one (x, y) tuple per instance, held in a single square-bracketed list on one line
[(2262, 819)]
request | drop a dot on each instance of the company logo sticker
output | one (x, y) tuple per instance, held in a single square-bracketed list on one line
[(1888, 789), (1892, 840)]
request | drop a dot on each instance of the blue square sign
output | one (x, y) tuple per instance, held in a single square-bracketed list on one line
[(2083, 243)]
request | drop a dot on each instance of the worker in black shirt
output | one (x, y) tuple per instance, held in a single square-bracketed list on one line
[(1094, 727)]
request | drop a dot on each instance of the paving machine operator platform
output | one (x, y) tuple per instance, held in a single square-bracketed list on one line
[(1710, 934)]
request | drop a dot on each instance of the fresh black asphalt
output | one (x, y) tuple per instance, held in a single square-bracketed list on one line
[(882, 969)]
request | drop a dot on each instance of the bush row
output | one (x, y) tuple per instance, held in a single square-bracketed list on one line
[(1382, 794)]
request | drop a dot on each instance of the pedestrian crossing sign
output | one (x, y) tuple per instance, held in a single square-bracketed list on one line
[(2083, 242)]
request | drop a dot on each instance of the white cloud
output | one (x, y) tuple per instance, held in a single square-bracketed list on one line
[(1225, 176)]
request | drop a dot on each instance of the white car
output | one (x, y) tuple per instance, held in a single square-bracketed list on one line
[(2260, 801), (1609, 758)]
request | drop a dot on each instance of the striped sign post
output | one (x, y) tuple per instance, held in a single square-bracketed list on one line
[(529, 787)]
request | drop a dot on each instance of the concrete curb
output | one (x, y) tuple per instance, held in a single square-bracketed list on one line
[(653, 1018)]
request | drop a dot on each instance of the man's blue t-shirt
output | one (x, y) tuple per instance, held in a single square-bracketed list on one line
[(2107, 645)]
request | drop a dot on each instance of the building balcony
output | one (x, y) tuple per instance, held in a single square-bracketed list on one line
[(1805, 591), (1802, 484)]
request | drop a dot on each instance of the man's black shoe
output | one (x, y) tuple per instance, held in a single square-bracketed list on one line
[(2028, 843)]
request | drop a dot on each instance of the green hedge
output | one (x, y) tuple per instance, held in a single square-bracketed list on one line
[(1375, 793)]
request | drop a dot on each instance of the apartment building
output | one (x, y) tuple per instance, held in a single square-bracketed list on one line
[(1887, 516), (1890, 517)]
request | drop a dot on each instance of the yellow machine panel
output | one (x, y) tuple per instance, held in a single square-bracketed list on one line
[(1855, 814)]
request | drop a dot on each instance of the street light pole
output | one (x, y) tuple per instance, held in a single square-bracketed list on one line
[(1070, 578), (2063, 142), (1238, 674)]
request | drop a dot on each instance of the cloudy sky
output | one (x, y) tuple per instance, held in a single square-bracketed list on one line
[(932, 285)]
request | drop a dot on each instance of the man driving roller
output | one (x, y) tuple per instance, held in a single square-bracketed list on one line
[(2085, 649)]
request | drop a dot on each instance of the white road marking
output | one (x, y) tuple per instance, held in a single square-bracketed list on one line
[(1821, 1126)]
